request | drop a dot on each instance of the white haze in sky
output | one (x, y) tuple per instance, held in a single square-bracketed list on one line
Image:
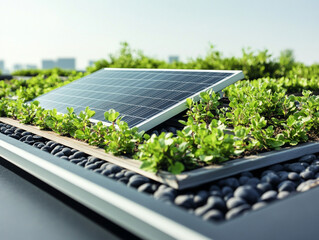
[(90, 30)]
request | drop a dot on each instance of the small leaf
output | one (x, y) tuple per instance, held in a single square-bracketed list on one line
[(177, 168)]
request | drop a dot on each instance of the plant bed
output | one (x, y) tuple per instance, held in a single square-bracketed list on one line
[(186, 179)]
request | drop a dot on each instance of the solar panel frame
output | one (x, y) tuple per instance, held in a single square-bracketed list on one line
[(177, 82)]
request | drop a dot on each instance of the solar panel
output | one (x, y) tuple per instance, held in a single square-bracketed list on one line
[(144, 97)]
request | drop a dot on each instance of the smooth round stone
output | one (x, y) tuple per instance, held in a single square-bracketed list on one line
[(38, 138), (215, 193), (105, 172), (59, 154), (296, 167), (269, 196), (185, 200), (123, 180), (79, 154), (8, 131), (214, 188), (308, 185), (66, 151), (243, 180), (213, 202), (304, 164), (263, 187), (287, 185), (307, 175), (313, 168), (53, 145), (293, 176), (165, 192), (18, 131), (231, 182), (22, 139), (235, 202), (172, 129), (119, 175), (76, 160), (200, 198), (253, 182), (155, 132), (56, 150), (213, 215), (276, 168), (283, 175), (217, 202), (271, 178), (93, 166), (129, 174), (259, 205), (247, 174), (227, 190), (26, 133), (247, 193), (29, 142), (307, 158), (40, 145), (115, 169), (146, 187), (29, 138), (46, 149), (237, 211), (93, 159), (15, 136), (283, 194), (228, 196), (104, 165), (264, 173), (73, 150), (82, 163)]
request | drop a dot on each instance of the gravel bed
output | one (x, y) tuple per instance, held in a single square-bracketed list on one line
[(217, 201)]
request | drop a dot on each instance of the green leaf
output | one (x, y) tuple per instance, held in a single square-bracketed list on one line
[(177, 168)]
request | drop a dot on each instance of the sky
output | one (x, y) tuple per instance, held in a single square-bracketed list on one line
[(33, 30)]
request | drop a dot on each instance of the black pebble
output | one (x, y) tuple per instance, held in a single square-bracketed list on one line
[(307, 175), (200, 198), (263, 187), (213, 215), (271, 178), (287, 185), (259, 205), (235, 202), (248, 193), (237, 211), (185, 201), (269, 196), (146, 187), (296, 167), (293, 176)]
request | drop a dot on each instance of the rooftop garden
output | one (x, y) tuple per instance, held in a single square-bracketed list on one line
[(275, 106)]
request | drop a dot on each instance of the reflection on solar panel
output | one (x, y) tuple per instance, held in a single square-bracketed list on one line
[(144, 97)]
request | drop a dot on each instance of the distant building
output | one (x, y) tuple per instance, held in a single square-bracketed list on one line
[(48, 64), (66, 63), (1, 66), (17, 67), (91, 63), (29, 66), (172, 59)]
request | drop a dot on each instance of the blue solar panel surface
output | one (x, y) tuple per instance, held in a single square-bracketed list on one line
[(137, 94)]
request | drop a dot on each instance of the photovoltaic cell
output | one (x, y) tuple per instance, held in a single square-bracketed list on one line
[(144, 97)]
